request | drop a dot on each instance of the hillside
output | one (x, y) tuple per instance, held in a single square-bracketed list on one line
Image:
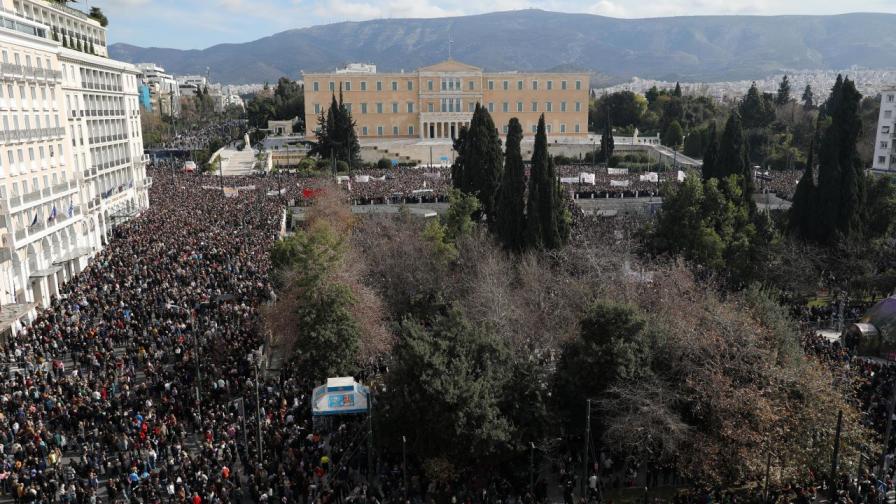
[(679, 48)]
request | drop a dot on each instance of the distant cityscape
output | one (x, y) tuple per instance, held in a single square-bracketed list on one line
[(869, 82)]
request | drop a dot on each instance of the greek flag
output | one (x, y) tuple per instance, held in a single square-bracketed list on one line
[(71, 209), (52, 214), (34, 221)]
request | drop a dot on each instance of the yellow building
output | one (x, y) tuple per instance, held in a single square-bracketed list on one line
[(435, 101)]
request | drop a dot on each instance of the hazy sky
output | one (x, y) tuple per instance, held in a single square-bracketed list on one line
[(197, 24)]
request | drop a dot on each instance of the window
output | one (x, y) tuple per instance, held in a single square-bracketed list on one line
[(578, 85), (315, 86), (885, 129), (430, 107), (471, 107), (364, 131), (410, 107), (550, 85), (348, 107), (534, 106), (547, 128), (563, 85), (363, 108), (332, 86), (505, 107), (347, 86), (363, 85), (578, 106), (394, 130), (884, 144), (379, 85), (519, 85), (444, 85), (394, 107), (491, 107), (888, 113), (890, 98), (548, 107), (577, 128), (410, 130), (505, 129), (491, 85), (562, 128), (472, 85), (429, 85), (534, 128), (394, 85), (410, 85), (506, 86), (535, 85), (519, 106), (379, 108), (563, 106), (881, 159)]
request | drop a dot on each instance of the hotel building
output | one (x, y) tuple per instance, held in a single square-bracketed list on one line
[(71, 153), (884, 150), (434, 102)]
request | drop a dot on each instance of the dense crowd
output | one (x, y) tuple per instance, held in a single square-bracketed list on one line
[(199, 137)]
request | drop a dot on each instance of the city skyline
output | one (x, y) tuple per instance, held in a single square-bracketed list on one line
[(204, 23)]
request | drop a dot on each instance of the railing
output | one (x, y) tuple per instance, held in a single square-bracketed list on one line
[(29, 72), (30, 134)]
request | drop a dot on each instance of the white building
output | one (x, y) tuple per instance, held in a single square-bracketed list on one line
[(884, 153), (71, 153), (164, 89), (357, 68)]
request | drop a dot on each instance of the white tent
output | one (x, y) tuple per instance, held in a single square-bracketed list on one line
[(340, 396)]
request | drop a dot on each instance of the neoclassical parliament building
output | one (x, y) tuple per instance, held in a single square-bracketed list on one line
[(434, 102)]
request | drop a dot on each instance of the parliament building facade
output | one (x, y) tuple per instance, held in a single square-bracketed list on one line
[(434, 102)]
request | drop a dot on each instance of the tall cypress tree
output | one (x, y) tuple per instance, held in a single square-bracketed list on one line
[(459, 177), (539, 199), (607, 145), (732, 158), (801, 219), (479, 163), (510, 222), (710, 153)]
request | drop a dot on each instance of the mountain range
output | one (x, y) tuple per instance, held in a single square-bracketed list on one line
[(693, 48)]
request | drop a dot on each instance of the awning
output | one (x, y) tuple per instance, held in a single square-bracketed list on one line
[(11, 313), (45, 272), (73, 254)]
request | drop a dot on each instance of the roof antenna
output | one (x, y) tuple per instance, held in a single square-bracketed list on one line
[(450, 43)]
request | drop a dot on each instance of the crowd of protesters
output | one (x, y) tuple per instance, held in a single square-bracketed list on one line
[(201, 136)]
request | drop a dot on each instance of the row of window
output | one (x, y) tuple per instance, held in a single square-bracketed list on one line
[(18, 60), (49, 180), (396, 131), (456, 105), (59, 21), (32, 92), (11, 122), (16, 159), (451, 84)]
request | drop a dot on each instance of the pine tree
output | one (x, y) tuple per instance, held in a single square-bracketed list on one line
[(755, 111), (783, 96), (808, 98), (732, 158), (710, 153), (336, 138), (677, 91), (510, 225), (652, 94)]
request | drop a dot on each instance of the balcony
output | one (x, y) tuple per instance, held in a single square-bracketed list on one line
[(31, 135), (11, 71)]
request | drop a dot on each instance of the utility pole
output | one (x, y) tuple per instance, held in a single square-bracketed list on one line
[(532, 468), (258, 408), (404, 465), (369, 437), (587, 446), (834, 459)]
